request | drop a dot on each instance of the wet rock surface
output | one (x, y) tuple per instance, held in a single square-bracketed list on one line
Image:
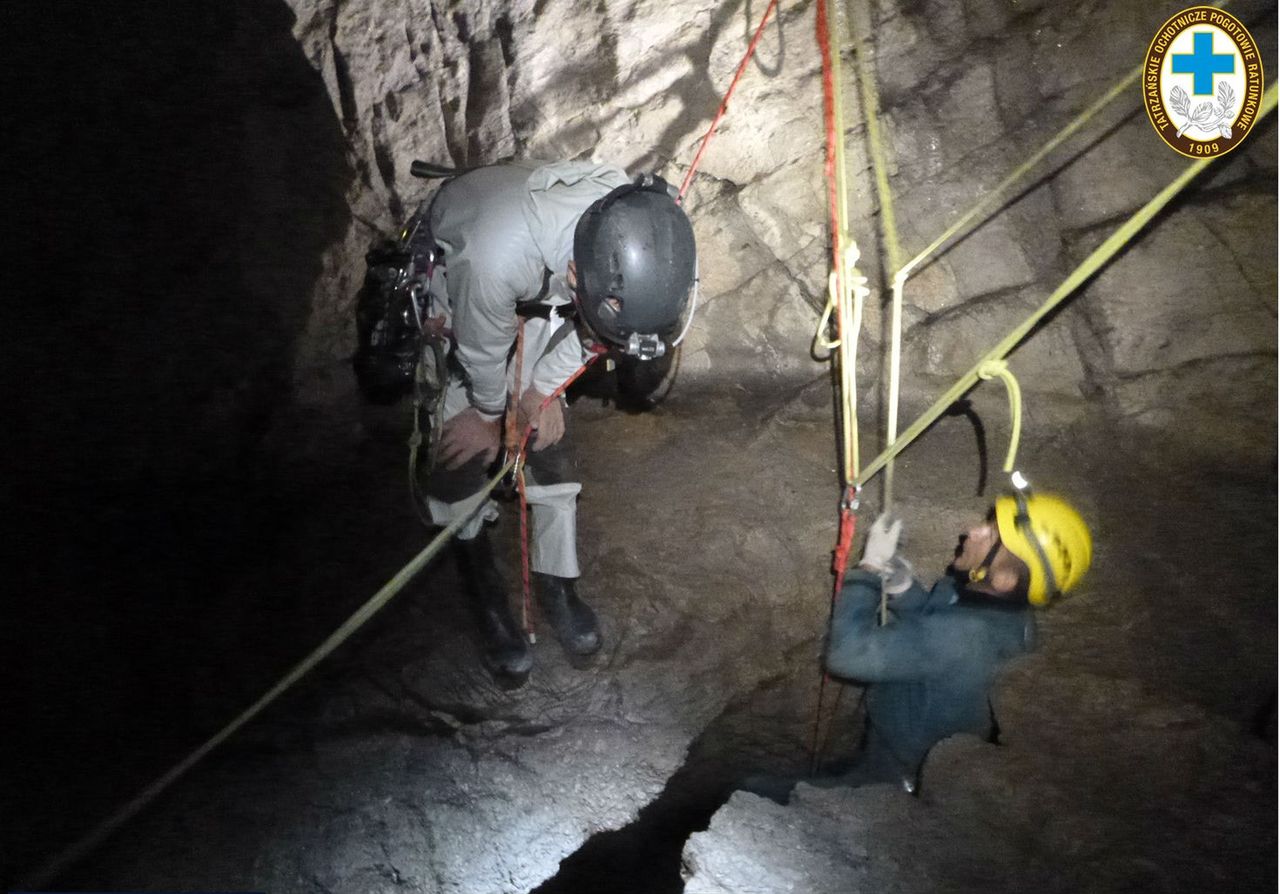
[(1139, 743), (402, 760), (1130, 753), (967, 92), (1130, 758)]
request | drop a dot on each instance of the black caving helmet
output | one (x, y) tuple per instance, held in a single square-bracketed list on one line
[(635, 246)]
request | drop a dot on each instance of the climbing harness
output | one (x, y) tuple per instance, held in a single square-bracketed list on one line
[(92, 839), (429, 382)]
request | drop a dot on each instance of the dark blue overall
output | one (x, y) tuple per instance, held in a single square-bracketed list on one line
[(928, 671)]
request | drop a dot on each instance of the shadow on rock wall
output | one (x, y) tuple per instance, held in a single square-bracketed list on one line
[(181, 171)]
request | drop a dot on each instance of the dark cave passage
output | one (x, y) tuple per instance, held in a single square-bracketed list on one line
[(184, 172), (760, 732), (189, 508)]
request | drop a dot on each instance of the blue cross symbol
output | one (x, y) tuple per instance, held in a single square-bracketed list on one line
[(1203, 63)]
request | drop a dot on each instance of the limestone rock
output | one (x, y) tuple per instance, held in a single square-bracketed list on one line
[(1097, 831), (1083, 202), (950, 343), (777, 115), (905, 56), (778, 325), (1180, 295), (632, 84)]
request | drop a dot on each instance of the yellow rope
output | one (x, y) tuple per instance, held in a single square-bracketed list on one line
[(822, 344), (1000, 369), (853, 300), (1091, 265), (997, 195), (848, 287), (973, 216), (990, 201), (859, 13), (78, 850)]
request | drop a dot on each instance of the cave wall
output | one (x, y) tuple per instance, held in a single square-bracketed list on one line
[(967, 92), (174, 175), (197, 188)]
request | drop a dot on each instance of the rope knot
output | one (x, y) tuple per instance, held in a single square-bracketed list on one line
[(992, 369)]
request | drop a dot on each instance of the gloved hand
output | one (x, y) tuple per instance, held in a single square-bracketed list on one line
[(468, 435), (898, 578), (548, 424), (882, 543)]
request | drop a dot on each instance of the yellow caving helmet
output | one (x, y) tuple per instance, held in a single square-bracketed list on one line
[(1050, 537)]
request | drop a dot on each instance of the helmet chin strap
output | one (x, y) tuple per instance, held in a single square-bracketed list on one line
[(1023, 521), (979, 574)]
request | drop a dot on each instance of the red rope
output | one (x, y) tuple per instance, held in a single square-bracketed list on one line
[(839, 565), (848, 519), (513, 400), (829, 166), (597, 351), (724, 103)]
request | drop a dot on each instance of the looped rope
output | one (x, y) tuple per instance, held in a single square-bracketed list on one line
[(1096, 260), (999, 369), (858, 283)]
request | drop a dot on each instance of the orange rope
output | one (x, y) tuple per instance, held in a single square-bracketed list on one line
[(597, 351), (724, 103), (839, 565), (849, 505), (513, 399), (829, 167)]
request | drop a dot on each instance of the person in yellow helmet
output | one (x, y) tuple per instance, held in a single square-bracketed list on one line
[(928, 671)]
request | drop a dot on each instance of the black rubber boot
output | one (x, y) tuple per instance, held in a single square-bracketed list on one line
[(572, 620), (505, 650)]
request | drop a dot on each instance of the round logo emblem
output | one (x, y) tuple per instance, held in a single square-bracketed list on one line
[(1202, 87)]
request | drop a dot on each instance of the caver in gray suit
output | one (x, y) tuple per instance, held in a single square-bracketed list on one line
[(549, 242)]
